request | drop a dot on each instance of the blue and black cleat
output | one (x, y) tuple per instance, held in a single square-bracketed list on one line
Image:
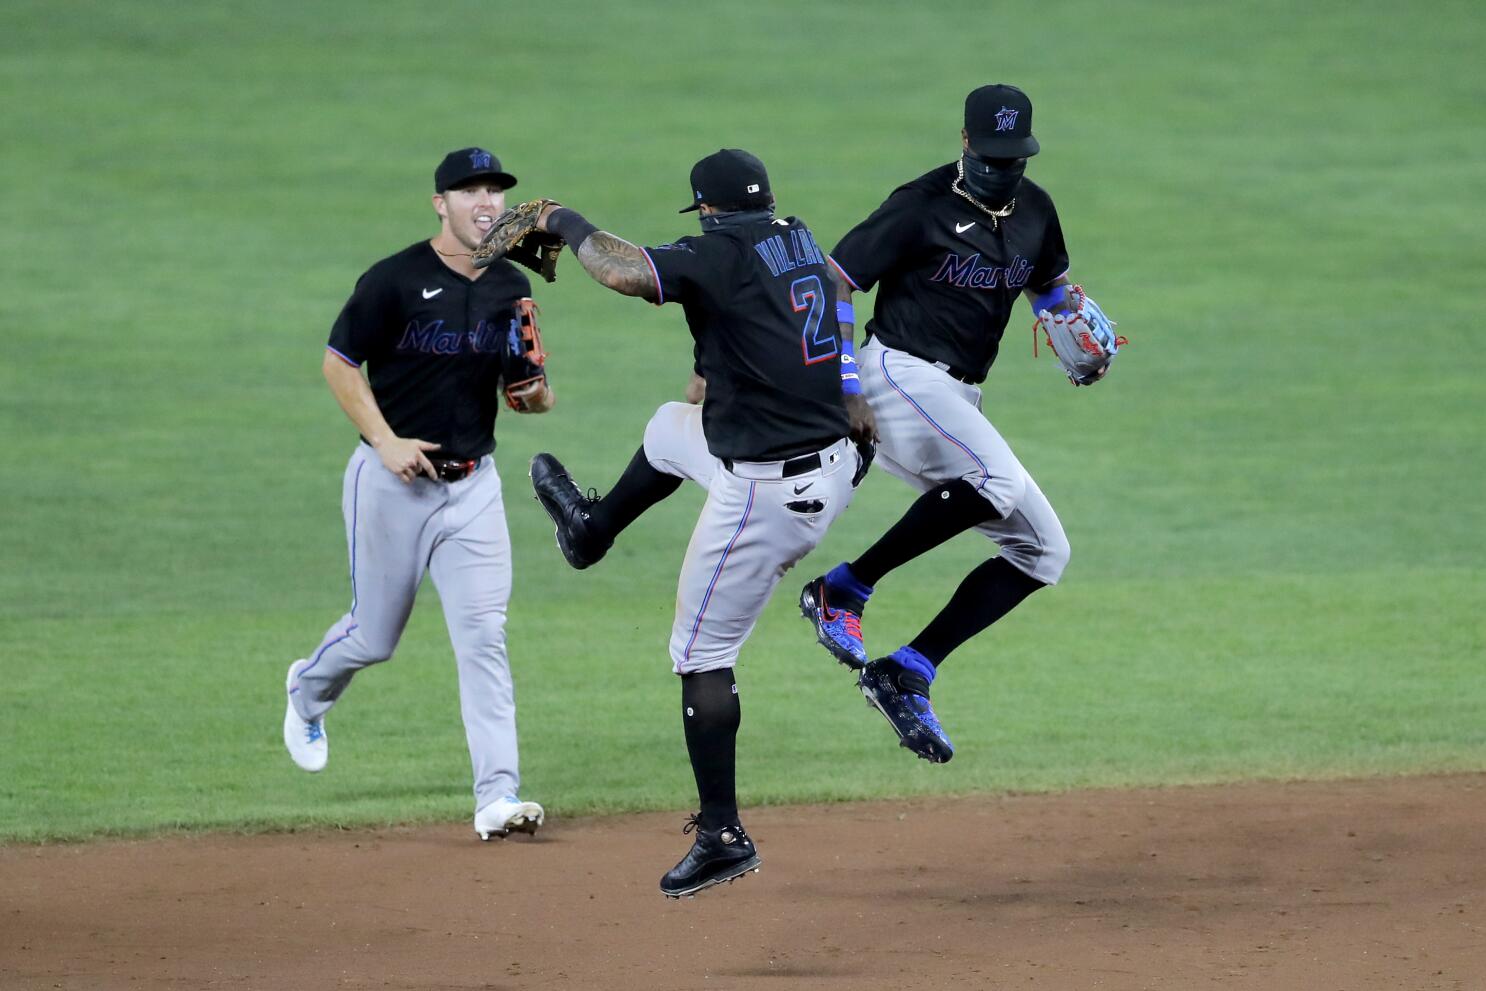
[(837, 622), (903, 697)]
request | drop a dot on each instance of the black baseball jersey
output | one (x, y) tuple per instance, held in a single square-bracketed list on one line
[(432, 341), (758, 301), (950, 274)]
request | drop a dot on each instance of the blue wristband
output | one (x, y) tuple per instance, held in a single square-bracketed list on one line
[(1049, 299), (851, 383), (845, 312)]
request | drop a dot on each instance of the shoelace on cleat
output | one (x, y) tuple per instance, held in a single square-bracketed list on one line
[(692, 824), (313, 732), (853, 623)]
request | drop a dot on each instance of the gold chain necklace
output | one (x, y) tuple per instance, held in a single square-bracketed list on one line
[(958, 187)]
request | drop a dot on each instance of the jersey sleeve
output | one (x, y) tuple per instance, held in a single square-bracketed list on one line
[(686, 269), (872, 248), (363, 321), (1052, 261)]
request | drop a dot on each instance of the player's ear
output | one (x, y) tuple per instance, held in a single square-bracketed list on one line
[(438, 206), (964, 140)]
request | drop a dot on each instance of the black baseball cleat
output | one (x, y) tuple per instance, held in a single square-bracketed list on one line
[(577, 538), (838, 623), (903, 697), (716, 855)]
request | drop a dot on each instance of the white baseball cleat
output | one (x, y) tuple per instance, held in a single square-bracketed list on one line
[(508, 813), (305, 739)]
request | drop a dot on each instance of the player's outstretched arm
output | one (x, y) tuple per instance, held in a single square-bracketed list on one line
[(614, 262), (610, 260)]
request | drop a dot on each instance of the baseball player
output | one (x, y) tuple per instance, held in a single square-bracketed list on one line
[(950, 253), (768, 443), (438, 339)]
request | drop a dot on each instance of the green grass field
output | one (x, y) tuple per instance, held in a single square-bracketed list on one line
[(1275, 501)]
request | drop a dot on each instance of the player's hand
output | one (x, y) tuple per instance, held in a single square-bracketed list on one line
[(696, 389), (404, 457), (863, 423), (535, 397)]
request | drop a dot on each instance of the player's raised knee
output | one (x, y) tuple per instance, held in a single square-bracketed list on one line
[(1053, 558)]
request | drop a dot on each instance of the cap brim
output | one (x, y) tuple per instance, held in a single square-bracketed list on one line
[(506, 180), (991, 147), (690, 209)]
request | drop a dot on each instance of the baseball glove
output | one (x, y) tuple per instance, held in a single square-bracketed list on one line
[(538, 251), (1083, 338), (523, 361), (515, 234)]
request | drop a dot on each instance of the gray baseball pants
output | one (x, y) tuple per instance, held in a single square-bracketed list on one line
[(933, 431), (456, 532), (753, 528)]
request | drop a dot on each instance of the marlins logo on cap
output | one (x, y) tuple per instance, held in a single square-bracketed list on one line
[(998, 122), (453, 171)]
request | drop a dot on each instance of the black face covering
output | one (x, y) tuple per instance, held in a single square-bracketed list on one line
[(713, 221), (992, 183)]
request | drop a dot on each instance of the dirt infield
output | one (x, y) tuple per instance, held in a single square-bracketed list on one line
[(1346, 885)]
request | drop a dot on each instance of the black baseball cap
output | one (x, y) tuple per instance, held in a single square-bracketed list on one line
[(459, 167), (998, 121), (729, 177)]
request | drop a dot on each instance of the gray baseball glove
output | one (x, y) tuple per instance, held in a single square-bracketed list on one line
[(1083, 339)]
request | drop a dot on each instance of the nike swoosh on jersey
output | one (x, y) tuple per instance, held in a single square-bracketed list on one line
[(799, 489), (431, 293), (962, 228)]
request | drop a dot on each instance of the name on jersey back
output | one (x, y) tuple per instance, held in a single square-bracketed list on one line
[(785, 256)]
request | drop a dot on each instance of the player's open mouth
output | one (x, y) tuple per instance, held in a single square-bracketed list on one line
[(484, 221)]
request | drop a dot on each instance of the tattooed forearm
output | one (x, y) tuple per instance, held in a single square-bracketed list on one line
[(614, 262)]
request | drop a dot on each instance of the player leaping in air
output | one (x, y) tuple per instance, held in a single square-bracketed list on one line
[(950, 253), (769, 444)]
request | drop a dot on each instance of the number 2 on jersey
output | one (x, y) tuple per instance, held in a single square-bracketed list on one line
[(806, 293)]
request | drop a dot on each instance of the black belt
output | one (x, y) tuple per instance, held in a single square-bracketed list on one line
[(794, 466), (453, 471)]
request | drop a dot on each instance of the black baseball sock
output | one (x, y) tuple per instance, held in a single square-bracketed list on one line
[(989, 592), (934, 517), (711, 714), (639, 488)]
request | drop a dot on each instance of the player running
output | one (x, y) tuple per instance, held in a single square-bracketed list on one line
[(438, 338), (951, 251), (769, 444)]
